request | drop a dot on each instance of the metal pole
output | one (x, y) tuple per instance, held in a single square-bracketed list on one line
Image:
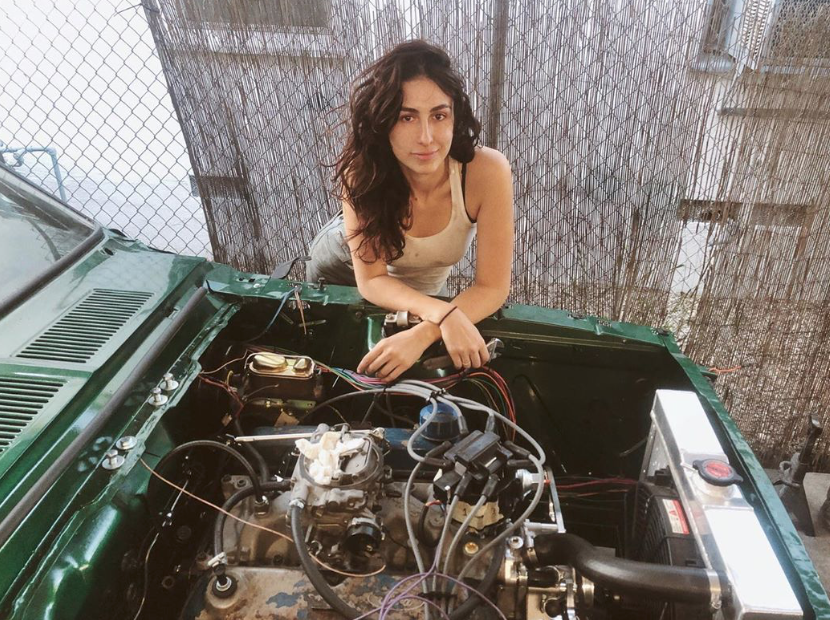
[(20, 151), (497, 72)]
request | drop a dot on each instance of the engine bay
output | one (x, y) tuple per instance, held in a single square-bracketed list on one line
[(537, 487)]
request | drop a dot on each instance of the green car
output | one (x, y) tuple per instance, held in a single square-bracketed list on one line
[(182, 440)]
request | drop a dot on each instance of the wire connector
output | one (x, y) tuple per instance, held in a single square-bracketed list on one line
[(218, 560)]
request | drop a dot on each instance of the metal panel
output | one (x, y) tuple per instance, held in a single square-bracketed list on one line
[(80, 333), (21, 400)]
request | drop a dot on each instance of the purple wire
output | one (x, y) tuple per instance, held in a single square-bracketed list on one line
[(386, 607), (473, 590), (428, 602)]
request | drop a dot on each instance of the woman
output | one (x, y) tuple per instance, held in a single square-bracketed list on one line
[(415, 189)]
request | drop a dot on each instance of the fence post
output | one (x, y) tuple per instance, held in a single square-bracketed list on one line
[(497, 73)]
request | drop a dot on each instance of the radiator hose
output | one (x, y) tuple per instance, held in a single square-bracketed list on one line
[(678, 584)]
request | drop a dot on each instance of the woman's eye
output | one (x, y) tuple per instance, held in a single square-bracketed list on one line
[(406, 118), (440, 117)]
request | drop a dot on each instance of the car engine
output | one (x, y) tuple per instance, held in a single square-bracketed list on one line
[(344, 496)]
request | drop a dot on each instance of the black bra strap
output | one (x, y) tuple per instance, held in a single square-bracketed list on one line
[(464, 182)]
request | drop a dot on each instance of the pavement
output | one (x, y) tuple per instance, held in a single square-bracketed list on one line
[(818, 547)]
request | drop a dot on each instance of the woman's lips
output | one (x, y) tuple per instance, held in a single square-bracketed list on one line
[(425, 156)]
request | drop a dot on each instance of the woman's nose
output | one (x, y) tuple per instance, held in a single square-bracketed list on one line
[(425, 134)]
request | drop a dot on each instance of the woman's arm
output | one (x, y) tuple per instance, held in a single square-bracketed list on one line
[(493, 180)]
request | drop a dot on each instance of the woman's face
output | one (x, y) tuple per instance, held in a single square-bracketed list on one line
[(422, 136)]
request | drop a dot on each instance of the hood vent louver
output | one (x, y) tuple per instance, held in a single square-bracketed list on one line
[(88, 326), (21, 400)]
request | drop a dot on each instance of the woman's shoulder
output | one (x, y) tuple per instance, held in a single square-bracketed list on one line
[(488, 175), (488, 166), (487, 161)]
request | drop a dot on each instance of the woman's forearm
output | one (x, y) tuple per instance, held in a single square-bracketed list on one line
[(392, 294), (477, 302), (480, 301)]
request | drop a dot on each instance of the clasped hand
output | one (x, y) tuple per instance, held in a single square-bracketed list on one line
[(395, 354)]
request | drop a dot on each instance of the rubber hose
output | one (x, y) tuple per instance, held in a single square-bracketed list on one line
[(423, 537), (473, 601), (233, 500), (314, 575), (207, 443), (677, 584)]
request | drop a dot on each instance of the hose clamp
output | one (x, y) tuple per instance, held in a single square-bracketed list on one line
[(715, 589), (298, 502)]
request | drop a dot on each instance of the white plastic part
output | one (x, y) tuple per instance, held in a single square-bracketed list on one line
[(323, 457)]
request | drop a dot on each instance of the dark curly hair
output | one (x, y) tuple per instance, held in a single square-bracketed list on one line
[(367, 172)]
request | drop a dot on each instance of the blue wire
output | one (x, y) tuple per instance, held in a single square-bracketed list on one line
[(273, 318)]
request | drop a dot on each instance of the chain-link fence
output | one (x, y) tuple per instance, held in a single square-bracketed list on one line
[(671, 160), (85, 112)]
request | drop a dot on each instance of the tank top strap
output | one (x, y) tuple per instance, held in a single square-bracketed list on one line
[(457, 191)]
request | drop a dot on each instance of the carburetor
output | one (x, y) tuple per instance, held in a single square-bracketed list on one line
[(338, 479)]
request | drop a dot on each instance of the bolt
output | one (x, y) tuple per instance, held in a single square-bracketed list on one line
[(224, 586), (301, 364), (471, 548), (157, 399), (552, 607), (112, 460), (261, 507), (516, 542), (127, 442), (168, 383)]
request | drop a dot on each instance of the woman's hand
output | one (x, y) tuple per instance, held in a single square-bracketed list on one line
[(395, 354), (464, 343)]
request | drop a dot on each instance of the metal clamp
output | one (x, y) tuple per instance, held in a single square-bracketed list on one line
[(715, 589), (217, 560)]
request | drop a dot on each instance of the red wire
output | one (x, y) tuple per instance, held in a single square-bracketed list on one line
[(499, 384), (570, 495), (227, 388)]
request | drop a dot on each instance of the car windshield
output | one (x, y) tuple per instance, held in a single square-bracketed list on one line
[(36, 231)]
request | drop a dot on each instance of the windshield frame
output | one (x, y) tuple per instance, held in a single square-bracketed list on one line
[(17, 295)]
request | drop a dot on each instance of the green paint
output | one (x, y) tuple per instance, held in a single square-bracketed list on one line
[(67, 555)]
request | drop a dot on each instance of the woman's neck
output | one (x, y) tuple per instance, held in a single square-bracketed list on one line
[(422, 186)]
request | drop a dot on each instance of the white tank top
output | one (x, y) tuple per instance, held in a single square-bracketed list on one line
[(426, 261)]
